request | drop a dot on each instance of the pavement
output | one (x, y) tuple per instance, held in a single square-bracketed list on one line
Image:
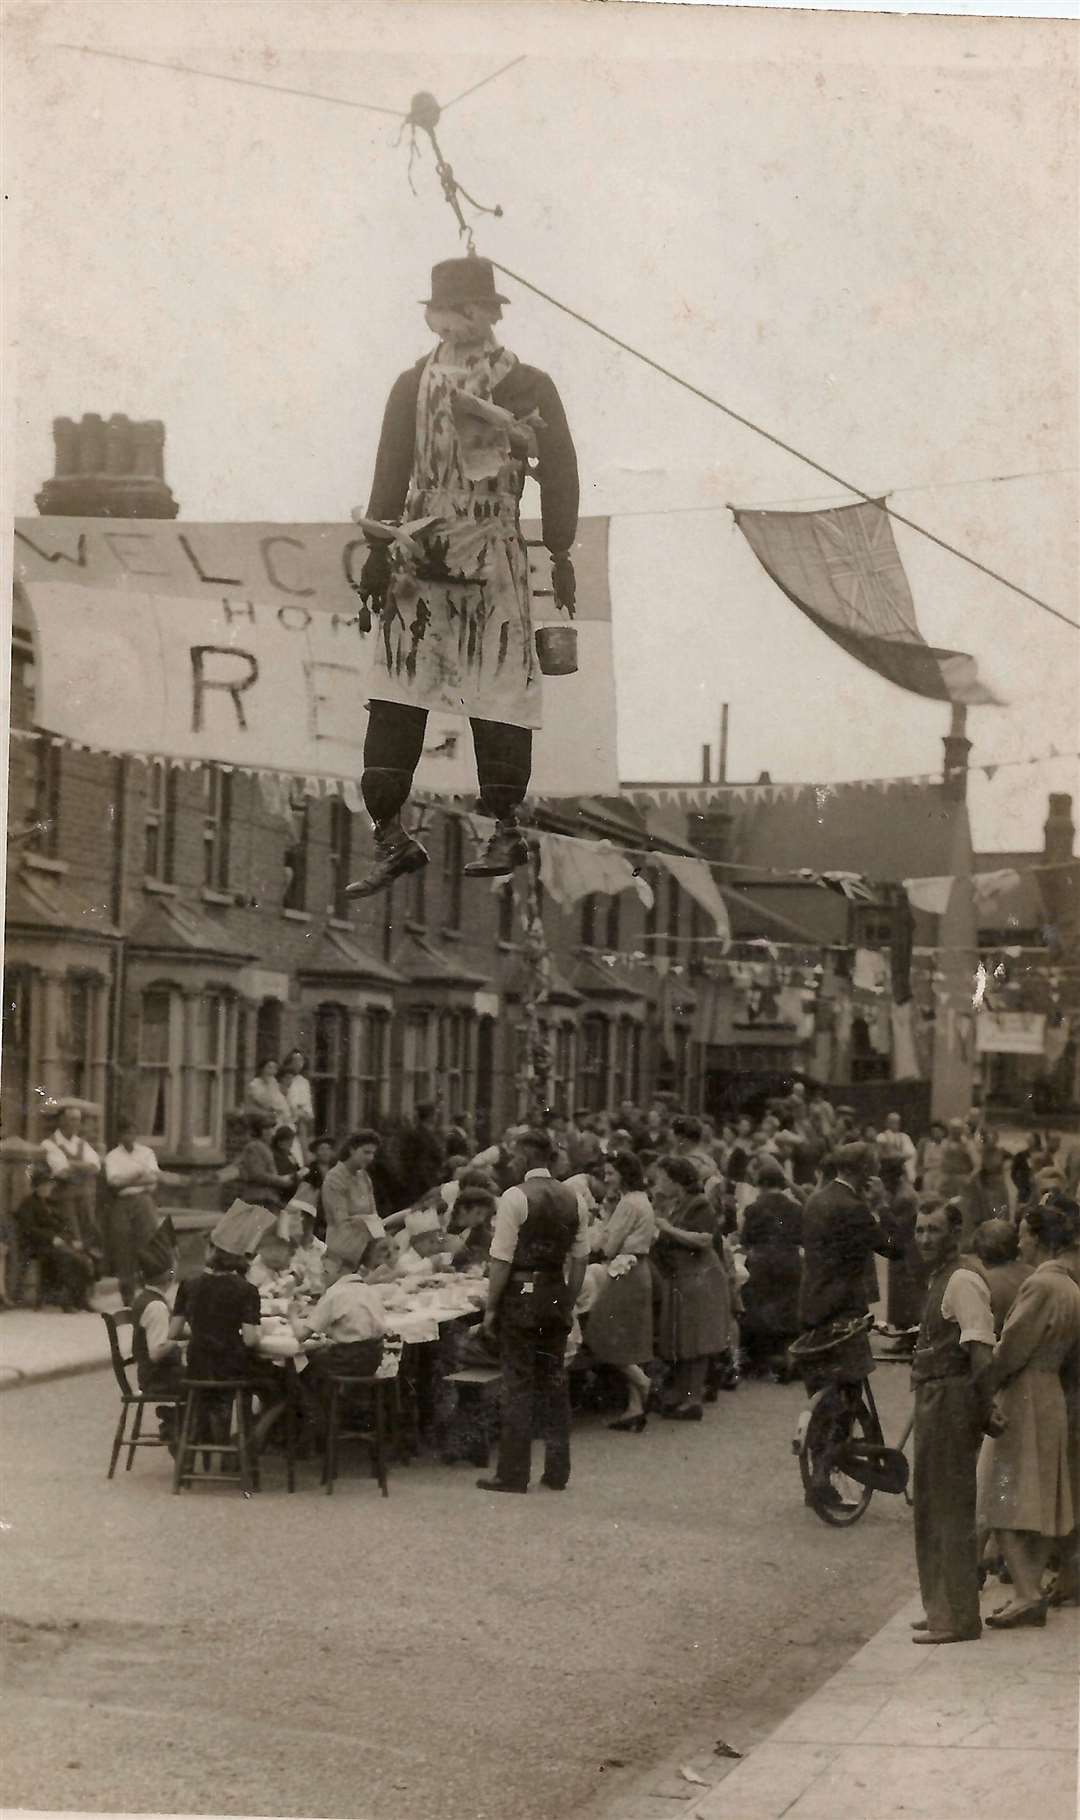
[(37, 1344), (902, 1733)]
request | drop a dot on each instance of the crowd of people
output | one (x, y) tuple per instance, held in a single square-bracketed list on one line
[(659, 1254)]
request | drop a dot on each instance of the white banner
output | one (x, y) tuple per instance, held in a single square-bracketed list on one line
[(1010, 1033), (239, 644)]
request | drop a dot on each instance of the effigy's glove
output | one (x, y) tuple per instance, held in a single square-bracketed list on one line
[(564, 584)]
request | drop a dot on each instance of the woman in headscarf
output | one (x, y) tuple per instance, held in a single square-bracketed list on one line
[(1025, 1489), (620, 1323), (694, 1308)]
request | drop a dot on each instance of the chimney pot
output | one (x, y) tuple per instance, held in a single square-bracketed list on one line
[(1059, 832)]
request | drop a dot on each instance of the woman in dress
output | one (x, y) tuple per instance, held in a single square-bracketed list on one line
[(620, 1330), (1025, 1493), (771, 1238), (929, 1159), (694, 1314), (263, 1093), (294, 1083)]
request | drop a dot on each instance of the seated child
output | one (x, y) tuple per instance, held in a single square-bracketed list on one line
[(345, 1329), (427, 1247), (272, 1270), (307, 1259), (157, 1356)]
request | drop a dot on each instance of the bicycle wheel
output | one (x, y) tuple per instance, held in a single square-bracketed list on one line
[(834, 1420)]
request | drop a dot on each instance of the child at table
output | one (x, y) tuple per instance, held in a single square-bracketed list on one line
[(307, 1259), (427, 1247), (272, 1270), (344, 1331)]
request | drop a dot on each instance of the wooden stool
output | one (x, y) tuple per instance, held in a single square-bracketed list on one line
[(373, 1434), (236, 1395), (477, 1385)]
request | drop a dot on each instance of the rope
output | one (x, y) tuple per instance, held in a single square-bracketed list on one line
[(787, 447), (275, 88)]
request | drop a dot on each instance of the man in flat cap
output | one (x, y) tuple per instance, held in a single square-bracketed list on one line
[(462, 430), (840, 1236)]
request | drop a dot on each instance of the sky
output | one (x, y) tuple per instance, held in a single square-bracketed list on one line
[(859, 232)]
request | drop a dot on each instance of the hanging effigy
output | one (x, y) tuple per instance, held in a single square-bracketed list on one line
[(445, 586)]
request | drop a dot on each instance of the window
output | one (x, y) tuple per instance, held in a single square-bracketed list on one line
[(588, 921), (674, 896), (158, 1063), (267, 1033), (416, 1062), (593, 1083), (294, 896), (330, 1070), (562, 1072), (17, 1033), (44, 814), (652, 913), (160, 825), (452, 860), (207, 1066), (506, 912), (340, 856), (416, 901), (611, 934), (632, 1083), (22, 678), (452, 1058), (698, 947), (77, 1035), (877, 932), (217, 816), (388, 922), (372, 1066)]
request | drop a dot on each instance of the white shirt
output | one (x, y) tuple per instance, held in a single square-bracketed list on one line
[(154, 1322), (123, 1166), (967, 1300), (512, 1211), (61, 1152), (897, 1143)]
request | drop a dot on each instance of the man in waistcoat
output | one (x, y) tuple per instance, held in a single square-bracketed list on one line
[(539, 1249), (952, 1412)]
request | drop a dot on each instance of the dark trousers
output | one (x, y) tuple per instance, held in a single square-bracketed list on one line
[(67, 1273), (532, 1344), (395, 740), (948, 1435), (686, 1385)]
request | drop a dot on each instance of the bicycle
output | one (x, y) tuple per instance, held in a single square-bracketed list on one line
[(839, 1442)]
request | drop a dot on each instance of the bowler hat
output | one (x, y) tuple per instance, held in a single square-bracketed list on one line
[(456, 281)]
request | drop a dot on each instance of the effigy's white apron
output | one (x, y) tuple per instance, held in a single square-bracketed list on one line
[(456, 628)]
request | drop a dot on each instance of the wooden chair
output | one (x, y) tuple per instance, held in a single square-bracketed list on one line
[(211, 1408), (348, 1424), (130, 1400)]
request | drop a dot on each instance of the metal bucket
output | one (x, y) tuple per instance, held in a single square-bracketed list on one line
[(556, 649)]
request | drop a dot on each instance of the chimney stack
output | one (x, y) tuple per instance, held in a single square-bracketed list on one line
[(957, 746), (1058, 831), (107, 470)]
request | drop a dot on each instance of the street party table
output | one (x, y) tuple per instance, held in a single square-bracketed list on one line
[(415, 1308)]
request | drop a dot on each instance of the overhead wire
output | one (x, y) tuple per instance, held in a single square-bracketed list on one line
[(778, 442), (274, 88)]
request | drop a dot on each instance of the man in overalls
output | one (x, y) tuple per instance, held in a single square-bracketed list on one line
[(955, 1345), (539, 1249)]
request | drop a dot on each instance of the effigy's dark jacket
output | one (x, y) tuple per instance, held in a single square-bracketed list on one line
[(523, 390)]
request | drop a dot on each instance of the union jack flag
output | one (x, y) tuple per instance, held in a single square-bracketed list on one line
[(843, 570)]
